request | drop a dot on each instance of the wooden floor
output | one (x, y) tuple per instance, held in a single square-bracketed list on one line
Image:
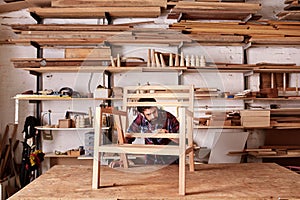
[(213, 181)]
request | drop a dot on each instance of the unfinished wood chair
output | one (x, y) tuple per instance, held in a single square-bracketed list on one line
[(179, 97)]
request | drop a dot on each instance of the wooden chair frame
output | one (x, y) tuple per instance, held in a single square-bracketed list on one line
[(181, 97)]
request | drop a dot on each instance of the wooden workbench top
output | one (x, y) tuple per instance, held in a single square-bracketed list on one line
[(209, 181)]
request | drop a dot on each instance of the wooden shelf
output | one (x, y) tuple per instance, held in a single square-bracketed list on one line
[(218, 127), (57, 98), (272, 99), (89, 69), (43, 128), (53, 155)]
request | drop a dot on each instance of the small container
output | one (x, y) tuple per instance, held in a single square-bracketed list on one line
[(64, 123)]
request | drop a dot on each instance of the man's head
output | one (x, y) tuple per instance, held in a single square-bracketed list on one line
[(150, 112)]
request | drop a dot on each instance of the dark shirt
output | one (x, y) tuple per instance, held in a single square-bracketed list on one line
[(166, 121)]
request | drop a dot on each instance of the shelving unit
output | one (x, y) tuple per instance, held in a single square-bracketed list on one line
[(244, 34)]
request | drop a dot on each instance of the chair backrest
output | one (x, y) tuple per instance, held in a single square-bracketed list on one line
[(169, 97), (165, 95)]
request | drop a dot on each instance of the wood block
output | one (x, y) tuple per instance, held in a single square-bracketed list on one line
[(256, 124), (65, 123), (255, 113), (104, 52)]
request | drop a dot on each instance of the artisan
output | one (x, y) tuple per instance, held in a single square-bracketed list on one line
[(151, 119)]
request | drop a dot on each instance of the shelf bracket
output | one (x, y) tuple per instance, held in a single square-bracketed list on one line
[(180, 17), (37, 18), (39, 50), (248, 73), (108, 18), (247, 18), (247, 45)]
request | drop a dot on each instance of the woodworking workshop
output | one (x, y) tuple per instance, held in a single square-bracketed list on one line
[(149, 99)]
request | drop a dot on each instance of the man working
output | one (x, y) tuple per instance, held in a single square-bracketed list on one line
[(152, 119)]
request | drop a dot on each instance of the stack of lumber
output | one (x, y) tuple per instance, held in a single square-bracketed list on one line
[(291, 12), (67, 34), (100, 9), (255, 118), (80, 34), (218, 118), (206, 92), (58, 62), (269, 151), (261, 152), (258, 33), (285, 118), (185, 10)]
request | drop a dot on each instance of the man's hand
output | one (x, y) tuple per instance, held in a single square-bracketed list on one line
[(116, 163), (162, 131)]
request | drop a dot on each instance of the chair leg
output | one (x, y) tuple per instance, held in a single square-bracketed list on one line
[(182, 174), (96, 171), (191, 161)]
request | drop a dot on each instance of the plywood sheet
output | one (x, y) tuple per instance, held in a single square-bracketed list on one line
[(209, 181), (225, 143)]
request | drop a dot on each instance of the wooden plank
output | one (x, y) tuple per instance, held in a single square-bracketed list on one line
[(292, 7), (109, 3), (96, 12), (207, 14), (14, 6), (219, 5), (275, 40), (69, 27), (59, 41), (19, 5), (289, 15)]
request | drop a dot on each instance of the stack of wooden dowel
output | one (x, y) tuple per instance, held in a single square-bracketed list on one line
[(232, 33), (158, 59)]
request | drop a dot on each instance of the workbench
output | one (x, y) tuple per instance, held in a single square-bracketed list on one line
[(208, 181)]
